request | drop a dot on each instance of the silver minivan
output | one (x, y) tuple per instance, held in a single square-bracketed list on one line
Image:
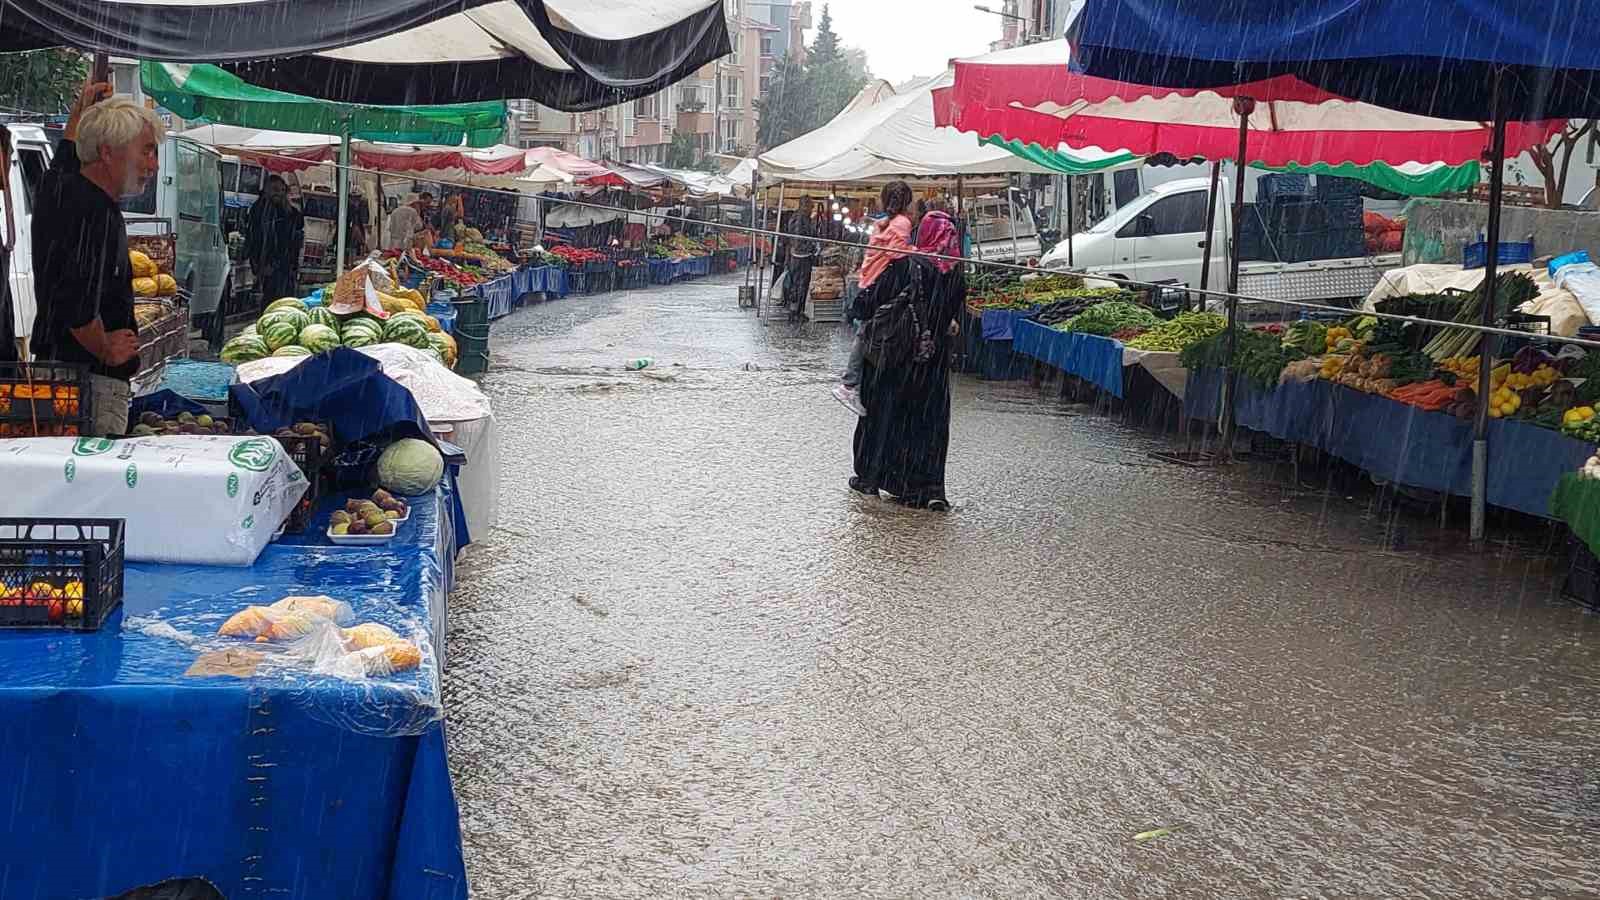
[(187, 193)]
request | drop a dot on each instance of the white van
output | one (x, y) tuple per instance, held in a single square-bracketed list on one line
[(1160, 238), (187, 193), (30, 158)]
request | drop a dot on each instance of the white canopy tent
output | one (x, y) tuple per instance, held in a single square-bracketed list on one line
[(888, 132)]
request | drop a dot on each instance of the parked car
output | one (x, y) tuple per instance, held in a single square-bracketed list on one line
[(30, 158)]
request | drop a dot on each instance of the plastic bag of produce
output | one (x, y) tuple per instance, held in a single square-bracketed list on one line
[(204, 499)]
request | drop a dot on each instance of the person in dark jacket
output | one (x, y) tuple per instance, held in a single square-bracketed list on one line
[(275, 232), (83, 279)]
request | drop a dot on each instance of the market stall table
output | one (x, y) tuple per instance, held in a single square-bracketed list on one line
[(1397, 442), (127, 771), (1097, 360)]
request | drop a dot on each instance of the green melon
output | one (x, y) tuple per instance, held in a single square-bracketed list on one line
[(321, 315), (318, 338), (249, 331), (360, 337), (279, 333), (291, 350), (406, 330), (243, 349), (285, 303)]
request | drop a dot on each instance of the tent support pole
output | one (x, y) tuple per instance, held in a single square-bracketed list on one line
[(1011, 215), (1071, 225), (1243, 106), (1211, 226), (1480, 421), (342, 185)]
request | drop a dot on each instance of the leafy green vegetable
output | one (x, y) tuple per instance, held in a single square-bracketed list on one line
[(1105, 318)]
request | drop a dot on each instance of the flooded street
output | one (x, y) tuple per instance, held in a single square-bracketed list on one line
[(691, 662)]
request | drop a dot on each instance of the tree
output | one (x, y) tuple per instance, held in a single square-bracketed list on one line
[(683, 152), (802, 97), (825, 46), (41, 81), (1554, 172)]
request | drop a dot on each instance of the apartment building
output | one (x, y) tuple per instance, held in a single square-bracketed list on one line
[(717, 105), (531, 125)]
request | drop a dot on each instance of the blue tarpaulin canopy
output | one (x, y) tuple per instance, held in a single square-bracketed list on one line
[(1436, 59)]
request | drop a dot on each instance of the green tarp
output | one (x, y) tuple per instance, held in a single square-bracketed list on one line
[(1428, 182), (206, 93)]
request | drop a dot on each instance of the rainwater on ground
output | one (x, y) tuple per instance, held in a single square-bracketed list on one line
[(690, 662)]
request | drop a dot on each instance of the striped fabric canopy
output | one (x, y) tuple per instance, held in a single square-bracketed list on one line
[(566, 54)]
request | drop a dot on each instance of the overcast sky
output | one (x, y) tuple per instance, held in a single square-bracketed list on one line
[(905, 38)]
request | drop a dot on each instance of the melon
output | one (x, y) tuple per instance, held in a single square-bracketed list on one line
[(243, 349), (291, 350), (409, 467), (249, 331), (406, 330), (360, 337), (278, 333), (318, 338), (285, 303), (321, 315), (446, 345)]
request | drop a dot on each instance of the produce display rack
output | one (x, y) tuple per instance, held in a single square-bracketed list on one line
[(59, 572), (307, 453), (45, 399), (164, 338)]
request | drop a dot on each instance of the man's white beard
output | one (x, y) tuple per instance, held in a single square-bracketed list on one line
[(132, 185)]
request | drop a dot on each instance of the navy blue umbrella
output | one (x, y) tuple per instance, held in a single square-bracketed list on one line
[(1455, 59)]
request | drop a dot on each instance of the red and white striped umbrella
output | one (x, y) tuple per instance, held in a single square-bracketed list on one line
[(1029, 95)]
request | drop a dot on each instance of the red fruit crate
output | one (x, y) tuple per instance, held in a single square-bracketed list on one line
[(59, 573)]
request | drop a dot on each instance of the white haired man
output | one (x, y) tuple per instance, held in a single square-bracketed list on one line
[(82, 276)]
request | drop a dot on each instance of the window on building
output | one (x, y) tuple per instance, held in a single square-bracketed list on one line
[(766, 85), (766, 45), (648, 107), (730, 90)]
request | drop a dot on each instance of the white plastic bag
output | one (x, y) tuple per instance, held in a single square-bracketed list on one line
[(1582, 279)]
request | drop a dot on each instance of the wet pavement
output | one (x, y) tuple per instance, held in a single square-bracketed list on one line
[(691, 663)]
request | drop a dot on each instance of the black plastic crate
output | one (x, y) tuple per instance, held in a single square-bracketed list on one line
[(45, 399), (59, 573), (1583, 574), (1271, 188), (1344, 213), (1333, 187), (309, 454)]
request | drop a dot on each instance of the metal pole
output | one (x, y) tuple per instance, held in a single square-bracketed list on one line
[(1211, 225), (1011, 214), (1243, 106), (1480, 423), (1072, 196), (341, 183)]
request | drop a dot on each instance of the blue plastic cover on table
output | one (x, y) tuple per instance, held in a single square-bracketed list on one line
[(555, 281), (341, 387), (998, 324), (199, 379), (497, 294), (164, 403), (1095, 359), (1398, 442), (282, 783)]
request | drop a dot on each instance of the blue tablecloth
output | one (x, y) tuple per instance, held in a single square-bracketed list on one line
[(527, 280), (1000, 324), (1398, 442), (123, 771), (1095, 359), (498, 293)]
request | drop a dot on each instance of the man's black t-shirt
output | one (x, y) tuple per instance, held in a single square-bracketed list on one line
[(80, 265)]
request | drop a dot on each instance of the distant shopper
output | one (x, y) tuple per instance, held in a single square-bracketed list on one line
[(9, 352), (82, 278), (902, 442), (275, 232), (359, 222), (404, 224), (889, 242), (802, 256)]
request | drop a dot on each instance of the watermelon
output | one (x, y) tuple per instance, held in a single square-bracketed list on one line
[(446, 346), (249, 331), (293, 317), (278, 333), (285, 303), (360, 338), (428, 322), (291, 350), (321, 315), (318, 338), (408, 331), (438, 357), (243, 349)]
